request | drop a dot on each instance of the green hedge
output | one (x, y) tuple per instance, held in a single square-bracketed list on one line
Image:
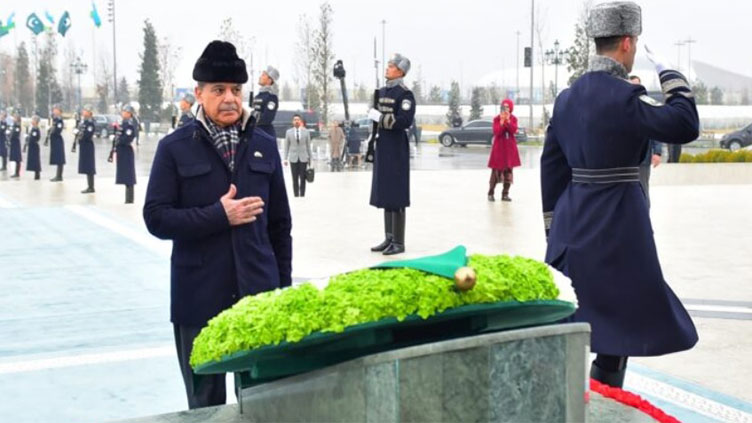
[(718, 156), (365, 296)]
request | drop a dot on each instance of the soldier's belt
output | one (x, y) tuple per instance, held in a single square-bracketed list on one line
[(606, 176)]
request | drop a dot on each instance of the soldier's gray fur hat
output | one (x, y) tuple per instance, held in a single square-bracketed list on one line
[(189, 98), (272, 72), (57, 106), (87, 108), (402, 62), (615, 19), (128, 108), (35, 118)]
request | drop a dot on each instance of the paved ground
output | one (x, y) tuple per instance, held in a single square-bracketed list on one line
[(84, 289)]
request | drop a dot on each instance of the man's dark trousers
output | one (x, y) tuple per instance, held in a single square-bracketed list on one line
[(298, 177), (201, 390)]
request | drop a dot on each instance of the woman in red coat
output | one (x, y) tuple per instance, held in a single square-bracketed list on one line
[(504, 153)]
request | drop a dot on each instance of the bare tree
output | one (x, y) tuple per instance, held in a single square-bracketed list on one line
[(103, 83), (323, 58), (7, 77), (541, 32), (243, 44), (169, 57), (579, 54), (304, 57)]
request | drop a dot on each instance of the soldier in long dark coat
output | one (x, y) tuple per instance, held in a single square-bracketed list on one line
[(4, 139), (266, 103), (186, 114), (125, 172), (390, 186), (15, 144), (596, 214), (86, 157), (57, 144), (33, 159)]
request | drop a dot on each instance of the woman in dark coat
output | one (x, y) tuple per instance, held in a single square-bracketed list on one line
[(504, 154), (57, 144), (33, 160), (86, 161)]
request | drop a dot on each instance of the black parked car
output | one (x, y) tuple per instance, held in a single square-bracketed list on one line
[(474, 132), (737, 139), (105, 125), (283, 122)]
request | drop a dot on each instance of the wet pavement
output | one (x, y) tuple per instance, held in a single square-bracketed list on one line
[(85, 289)]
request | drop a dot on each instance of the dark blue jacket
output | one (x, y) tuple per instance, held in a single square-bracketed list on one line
[(185, 118), (86, 156), (214, 264), (125, 172), (33, 159), (3, 139), (57, 145), (265, 106), (390, 184), (600, 233), (15, 143)]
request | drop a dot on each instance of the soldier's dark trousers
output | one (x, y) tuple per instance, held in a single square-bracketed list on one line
[(5, 164), (298, 170), (397, 246), (609, 369), (201, 390), (129, 194), (18, 170), (674, 153), (58, 175), (90, 185), (36, 175)]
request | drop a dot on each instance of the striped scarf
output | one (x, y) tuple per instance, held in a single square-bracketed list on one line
[(225, 140)]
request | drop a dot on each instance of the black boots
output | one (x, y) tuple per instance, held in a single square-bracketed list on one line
[(129, 194), (609, 370), (398, 231), (36, 176), (387, 232), (90, 183), (17, 174), (5, 164), (59, 175)]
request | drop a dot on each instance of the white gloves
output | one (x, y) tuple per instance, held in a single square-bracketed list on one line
[(75, 131), (659, 62), (374, 115)]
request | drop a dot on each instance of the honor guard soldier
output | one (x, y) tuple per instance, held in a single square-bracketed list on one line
[(596, 215), (33, 159), (4, 132), (125, 172), (57, 145), (86, 158), (15, 143), (186, 114), (266, 103), (390, 185)]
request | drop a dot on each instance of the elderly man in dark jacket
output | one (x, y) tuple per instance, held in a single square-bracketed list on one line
[(217, 191)]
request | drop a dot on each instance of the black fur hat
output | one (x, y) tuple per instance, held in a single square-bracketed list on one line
[(220, 63)]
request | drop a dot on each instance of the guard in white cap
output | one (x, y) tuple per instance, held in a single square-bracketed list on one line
[(595, 211), (390, 185), (266, 103)]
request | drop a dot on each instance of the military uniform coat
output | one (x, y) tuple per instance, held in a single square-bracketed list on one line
[(33, 160), (15, 143), (3, 139), (185, 117), (598, 227), (125, 173), (57, 145), (214, 264), (265, 106), (86, 158), (390, 183)]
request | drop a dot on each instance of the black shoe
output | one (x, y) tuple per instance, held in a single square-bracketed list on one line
[(15, 176), (56, 179), (387, 233), (393, 249), (491, 198), (88, 191), (505, 198), (610, 378)]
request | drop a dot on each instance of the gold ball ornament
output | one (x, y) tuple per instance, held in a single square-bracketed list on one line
[(465, 278)]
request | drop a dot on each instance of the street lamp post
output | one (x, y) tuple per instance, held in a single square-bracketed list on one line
[(111, 14), (79, 67), (556, 57)]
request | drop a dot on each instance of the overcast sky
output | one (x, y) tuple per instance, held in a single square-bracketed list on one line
[(445, 40)]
